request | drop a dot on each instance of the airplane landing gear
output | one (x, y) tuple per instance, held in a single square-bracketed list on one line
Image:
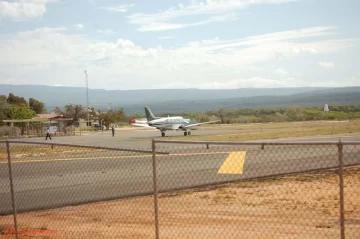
[(187, 133), (163, 134)]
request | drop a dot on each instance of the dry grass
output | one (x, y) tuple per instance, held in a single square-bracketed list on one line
[(276, 131), (28, 151), (305, 206)]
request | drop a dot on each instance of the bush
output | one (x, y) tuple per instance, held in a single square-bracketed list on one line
[(9, 131)]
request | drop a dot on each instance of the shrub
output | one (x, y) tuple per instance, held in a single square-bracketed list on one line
[(9, 131)]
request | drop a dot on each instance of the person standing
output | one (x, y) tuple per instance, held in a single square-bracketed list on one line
[(113, 130), (48, 133)]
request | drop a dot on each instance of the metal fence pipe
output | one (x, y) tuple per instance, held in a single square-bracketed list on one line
[(341, 184), (350, 142), (85, 146), (255, 143), (155, 191), (12, 189)]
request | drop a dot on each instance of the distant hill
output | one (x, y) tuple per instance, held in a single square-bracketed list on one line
[(181, 100), (317, 99)]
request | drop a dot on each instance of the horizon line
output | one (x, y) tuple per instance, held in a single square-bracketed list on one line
[(139, 89)]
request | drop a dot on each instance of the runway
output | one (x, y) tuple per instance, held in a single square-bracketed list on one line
[(141, 139), (134, 138), (57, 181)]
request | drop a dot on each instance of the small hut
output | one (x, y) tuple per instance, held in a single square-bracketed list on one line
[(36, 126)]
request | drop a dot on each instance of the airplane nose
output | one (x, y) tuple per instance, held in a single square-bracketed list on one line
[(132, 121)]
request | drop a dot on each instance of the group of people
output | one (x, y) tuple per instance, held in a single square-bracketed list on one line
[(48, 135)]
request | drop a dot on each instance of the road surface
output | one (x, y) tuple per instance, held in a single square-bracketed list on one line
[(56, 181)]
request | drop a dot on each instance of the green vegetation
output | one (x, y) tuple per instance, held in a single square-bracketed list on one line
[(289, 114), (191, 100), (9, 131), (15, 107), (77, 112), (111, 116), (20, 112), (37, 106)]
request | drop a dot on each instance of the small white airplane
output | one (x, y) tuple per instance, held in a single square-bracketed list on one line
[(167, 123)]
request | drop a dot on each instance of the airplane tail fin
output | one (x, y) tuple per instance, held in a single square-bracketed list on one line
[(149, 114)]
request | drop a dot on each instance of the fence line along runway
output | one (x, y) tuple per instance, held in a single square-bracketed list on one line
[(138, 138), (62, 181)]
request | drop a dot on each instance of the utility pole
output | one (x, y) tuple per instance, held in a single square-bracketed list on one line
[(87, 98)]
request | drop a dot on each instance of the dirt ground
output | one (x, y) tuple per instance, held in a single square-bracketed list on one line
[(305, 206)]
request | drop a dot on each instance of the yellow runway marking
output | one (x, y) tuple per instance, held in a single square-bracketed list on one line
[(234, 163), (109, 157)]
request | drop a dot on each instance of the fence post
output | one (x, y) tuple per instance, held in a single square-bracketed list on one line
[(12, 189), (155, 190), (341, 177)]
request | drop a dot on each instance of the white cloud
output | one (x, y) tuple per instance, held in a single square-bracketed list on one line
[(23, 9), (53, 56), (326, 65), (352, 80), (254, 82), (199, 8), (220, 8), (160, 26), (283, 36), (344, 82), (165, 37), (281, 72), (106, 32), (79, 26), (119, 8)]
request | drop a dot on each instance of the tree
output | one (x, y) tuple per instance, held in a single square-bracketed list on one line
[(202, 117), (16, 100), (20, 112), (75, 112), (4, 107), (221, 113), (111, 117), (294, 113), (57, 110), (37, 106)]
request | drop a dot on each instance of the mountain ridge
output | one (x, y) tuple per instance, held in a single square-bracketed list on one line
[(180, 100)]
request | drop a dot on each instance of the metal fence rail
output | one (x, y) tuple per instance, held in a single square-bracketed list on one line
[(181, 189)]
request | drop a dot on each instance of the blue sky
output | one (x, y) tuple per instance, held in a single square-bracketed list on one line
[(180, 44)]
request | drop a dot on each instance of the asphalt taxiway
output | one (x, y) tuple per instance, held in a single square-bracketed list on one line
[(141, 139), (54, 181)]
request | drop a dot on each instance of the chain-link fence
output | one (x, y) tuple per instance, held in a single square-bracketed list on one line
[(180, 190), (69, 191)]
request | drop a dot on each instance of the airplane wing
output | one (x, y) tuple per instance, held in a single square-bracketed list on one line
[(196, 124), (143, 125), (133, 121)]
